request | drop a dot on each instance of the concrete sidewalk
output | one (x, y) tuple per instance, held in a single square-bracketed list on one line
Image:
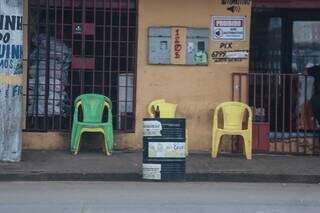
[(127, 166)]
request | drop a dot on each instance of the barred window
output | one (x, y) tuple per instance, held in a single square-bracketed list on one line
[(77, 47)]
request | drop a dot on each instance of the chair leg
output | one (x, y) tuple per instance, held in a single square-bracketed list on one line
[(77, 142), (108, 139), (215, 144), (187, 144), (243, 143), (110, 142), (247, 147), (105, 145), (73, 138)]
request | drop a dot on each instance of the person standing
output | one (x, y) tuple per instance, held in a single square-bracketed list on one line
[(314, 71)]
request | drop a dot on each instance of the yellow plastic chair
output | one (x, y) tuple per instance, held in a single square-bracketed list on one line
[(233, 117), (167, 110)]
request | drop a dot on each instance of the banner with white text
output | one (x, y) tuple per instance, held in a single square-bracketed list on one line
[(11, 51)]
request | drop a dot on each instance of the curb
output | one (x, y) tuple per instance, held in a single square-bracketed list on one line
[(254, 178), (71, 177), (190, 177)]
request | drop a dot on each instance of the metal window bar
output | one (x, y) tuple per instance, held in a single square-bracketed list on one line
[(291, 131), (100, 58)]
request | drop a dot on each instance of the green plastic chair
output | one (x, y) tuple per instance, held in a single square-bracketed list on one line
[(93, 107)]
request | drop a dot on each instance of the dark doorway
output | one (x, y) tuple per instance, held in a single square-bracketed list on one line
[(283, 43)]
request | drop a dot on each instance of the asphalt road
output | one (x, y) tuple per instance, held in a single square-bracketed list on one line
[(140, 197)]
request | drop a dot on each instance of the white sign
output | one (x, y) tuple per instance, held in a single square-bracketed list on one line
[(190, 47), (166, 150), (151, 171), (237, 54), (228, 28), (152, 128)]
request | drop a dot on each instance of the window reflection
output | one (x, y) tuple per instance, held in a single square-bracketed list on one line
[(306, 45)]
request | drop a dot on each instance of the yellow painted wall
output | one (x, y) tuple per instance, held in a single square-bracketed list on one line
[(196, 89)]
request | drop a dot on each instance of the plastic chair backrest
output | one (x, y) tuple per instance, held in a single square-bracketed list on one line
[(167, 110), (93, 106), (233, 113)]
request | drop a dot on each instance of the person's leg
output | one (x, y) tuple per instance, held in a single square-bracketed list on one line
[(315, 102)]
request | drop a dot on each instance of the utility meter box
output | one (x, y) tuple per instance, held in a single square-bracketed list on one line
[(197, 46), (159, 45), (190, 44)]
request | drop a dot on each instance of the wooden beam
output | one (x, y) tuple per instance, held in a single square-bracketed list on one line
[(287, 4)]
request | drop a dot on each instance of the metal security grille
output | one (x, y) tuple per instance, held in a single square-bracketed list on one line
[(78, 47), (281, 100)]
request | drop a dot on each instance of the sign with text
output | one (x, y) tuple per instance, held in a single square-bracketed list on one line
[(166, 149), (151, 171), (152, 128), (178, 45), (11, 51), (225, 28), (236, 2)]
